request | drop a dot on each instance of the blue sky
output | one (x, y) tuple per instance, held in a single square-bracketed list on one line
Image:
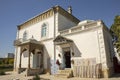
[(14, 12)]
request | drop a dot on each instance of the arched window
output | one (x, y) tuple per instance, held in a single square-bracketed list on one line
[(25, 36), (44, 30)]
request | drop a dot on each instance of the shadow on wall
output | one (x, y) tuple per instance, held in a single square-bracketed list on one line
[(76, 51), (46, 61), (116, 65)]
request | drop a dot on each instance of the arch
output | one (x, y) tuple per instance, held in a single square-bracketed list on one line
[(25, 49)]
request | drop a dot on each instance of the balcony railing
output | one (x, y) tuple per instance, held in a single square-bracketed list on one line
[(80, 28), (75, 29), (64, 32)]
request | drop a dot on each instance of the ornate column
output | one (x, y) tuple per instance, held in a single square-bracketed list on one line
[(42, 57), (20, 61), (20, 58), (29, 58)]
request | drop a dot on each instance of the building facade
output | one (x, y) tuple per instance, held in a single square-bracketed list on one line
[(56, 40), (10, 55)]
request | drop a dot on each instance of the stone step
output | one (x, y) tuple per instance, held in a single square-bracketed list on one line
[(62, 75), (67, 68), (67, 73), (64, 71)]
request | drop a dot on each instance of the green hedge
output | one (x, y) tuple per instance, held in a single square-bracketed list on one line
[(6, 67), (6, 61)]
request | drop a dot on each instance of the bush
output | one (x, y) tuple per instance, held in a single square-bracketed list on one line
[(36, 77), (2, 73), (6, 66), (11, 61)]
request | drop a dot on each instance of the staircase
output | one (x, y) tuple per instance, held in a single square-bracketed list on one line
[(24, 73), (67, 73), (20, 70)]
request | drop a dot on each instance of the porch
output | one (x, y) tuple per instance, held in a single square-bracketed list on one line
[(31, 56)]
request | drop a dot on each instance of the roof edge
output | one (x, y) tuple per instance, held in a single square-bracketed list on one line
[(49, 12)]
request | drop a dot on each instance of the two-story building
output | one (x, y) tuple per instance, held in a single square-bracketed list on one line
[(56, 40)]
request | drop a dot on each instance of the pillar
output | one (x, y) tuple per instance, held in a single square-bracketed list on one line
[(29, 59), (20, 60)]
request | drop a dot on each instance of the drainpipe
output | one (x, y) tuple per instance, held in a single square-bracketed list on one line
[(54, 32), (54, 11)]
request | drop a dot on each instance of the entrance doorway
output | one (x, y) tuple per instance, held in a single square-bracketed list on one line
[(67, 59)]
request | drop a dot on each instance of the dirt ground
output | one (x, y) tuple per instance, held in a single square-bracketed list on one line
[(15, 76)]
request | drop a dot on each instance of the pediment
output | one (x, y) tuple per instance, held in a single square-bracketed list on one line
[(61, 40)]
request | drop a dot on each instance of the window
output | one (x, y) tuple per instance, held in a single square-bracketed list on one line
[(25, 36), (44, 30)]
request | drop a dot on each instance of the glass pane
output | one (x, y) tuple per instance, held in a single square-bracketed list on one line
[(43, 34)]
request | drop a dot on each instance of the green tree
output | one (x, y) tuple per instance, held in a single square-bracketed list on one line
[(115, 31), (6, 60), (11, 61), (0, 62)]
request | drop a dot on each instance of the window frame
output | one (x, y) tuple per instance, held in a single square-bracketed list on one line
[(44, 30)]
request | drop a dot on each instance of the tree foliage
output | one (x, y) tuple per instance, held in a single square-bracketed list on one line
[(115, 30), (6, 61)]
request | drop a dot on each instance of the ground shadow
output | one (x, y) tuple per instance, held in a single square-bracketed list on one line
[(116, 75)]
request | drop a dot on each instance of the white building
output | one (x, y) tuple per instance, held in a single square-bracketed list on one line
[(10, 55), (57, 37)]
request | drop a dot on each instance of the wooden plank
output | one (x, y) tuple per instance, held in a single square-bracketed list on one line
[(86, 68)]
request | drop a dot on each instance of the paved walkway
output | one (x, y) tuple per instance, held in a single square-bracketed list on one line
[(14, 76)]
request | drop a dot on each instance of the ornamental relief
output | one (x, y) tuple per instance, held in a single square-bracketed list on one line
[(37, 19)]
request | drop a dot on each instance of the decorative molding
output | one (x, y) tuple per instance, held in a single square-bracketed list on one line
[(36, 19), (48, 14), (67, 14)]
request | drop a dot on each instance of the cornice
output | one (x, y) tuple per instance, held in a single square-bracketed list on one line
[(50, 12), (67, 14), (36, 19), (84, 28), (84, 31)]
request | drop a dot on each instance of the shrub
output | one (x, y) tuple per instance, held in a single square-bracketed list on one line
[(2, 73), (36, 77), (11, 61), (0, 62)]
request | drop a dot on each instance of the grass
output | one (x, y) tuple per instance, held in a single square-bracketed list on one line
[(6, 68)]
